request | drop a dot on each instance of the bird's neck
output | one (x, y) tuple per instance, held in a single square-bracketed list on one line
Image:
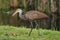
[(21, 16)]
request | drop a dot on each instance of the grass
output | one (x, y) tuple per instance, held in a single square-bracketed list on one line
[(21, 33)]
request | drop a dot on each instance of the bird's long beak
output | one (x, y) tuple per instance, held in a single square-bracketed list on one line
[(14, 13)]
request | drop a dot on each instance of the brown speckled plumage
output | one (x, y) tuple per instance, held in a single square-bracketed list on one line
[(34, 15)]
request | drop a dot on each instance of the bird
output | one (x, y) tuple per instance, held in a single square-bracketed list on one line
[(32, 15)]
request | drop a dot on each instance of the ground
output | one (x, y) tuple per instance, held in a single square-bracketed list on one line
[(21, 33)]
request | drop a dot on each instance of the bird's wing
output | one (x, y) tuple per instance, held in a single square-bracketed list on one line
[(35, 15)]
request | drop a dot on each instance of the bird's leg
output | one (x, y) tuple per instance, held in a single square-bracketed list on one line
[(31, 28), (37, 25)]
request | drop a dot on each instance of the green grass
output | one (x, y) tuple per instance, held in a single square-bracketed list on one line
[(21, 33)]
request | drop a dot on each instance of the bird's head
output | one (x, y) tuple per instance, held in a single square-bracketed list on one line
[(17, 11)]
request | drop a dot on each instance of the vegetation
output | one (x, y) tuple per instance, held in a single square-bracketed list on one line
[(21, 33), (40, 5)]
